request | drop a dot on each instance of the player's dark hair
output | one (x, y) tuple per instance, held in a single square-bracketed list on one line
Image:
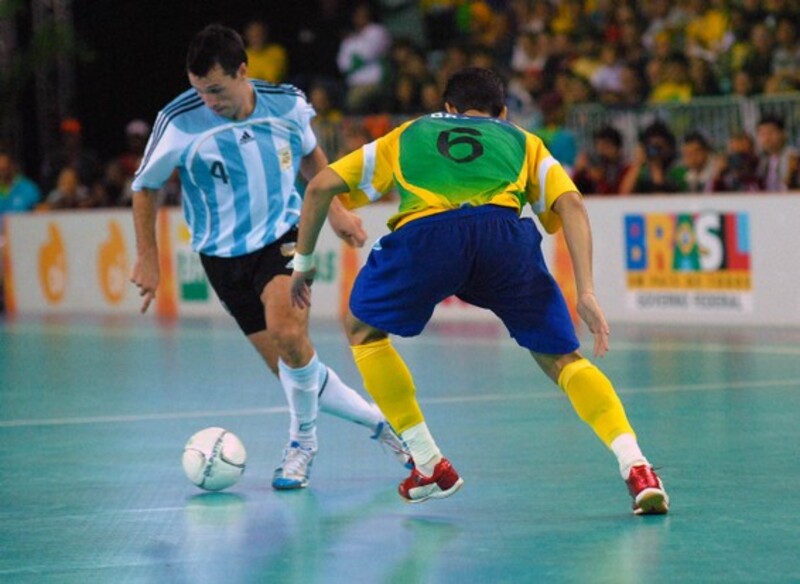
[(215, 44), (474, 88)]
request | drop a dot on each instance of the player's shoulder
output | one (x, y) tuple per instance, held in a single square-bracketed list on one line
[(457, 122), (183, 105), (278, 91), (530, 138)]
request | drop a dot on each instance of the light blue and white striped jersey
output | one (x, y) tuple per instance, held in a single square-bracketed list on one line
[(237, 176)]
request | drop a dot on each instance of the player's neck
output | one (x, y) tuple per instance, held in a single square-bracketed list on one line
[(476, 113), (249, 104)]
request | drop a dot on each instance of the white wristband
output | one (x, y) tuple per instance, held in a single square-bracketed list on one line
[(303, 263)]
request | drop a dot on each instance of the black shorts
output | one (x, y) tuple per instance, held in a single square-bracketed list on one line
[(239, 281)]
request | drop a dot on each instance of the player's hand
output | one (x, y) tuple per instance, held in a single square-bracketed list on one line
[(300, 288), (146, 275), (348, 226), (590, 312)]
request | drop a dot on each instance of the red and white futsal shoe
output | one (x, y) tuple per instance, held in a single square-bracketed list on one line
[(443, 483), (647, 490)]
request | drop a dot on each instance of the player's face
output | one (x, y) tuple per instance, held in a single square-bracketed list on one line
[(230, 97)]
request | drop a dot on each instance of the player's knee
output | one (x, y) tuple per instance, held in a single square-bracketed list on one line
[(553, 365), (360, 333), (292, 342)]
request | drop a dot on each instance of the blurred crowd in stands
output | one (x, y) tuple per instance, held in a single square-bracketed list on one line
[(394, 56)]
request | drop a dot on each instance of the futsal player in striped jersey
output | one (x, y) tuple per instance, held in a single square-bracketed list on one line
[(239, 145), (463, 177)]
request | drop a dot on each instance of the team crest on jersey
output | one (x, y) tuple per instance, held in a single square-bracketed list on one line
[(287, 249), (285, 156)]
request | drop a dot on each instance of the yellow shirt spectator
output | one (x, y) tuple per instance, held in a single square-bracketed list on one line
[(265, 60)]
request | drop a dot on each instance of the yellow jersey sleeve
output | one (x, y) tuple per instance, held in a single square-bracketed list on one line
[(547, 180), (369, 171)]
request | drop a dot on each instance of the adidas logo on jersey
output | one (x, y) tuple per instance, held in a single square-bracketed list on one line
[(246, 138)]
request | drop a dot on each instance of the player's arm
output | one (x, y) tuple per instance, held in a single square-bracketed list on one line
[(346, 224), (578, 235), (320, 194), (145, 273)]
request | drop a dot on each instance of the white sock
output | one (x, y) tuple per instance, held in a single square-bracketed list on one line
[(422, 448), (626, 449), (301, 386), (344, 402)]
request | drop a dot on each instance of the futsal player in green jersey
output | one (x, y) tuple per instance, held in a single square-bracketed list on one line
[(463, 177)]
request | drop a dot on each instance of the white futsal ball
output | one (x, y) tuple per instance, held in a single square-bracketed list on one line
[(214, 459)]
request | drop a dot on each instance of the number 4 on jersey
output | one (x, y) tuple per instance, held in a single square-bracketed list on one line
[(218, 171)]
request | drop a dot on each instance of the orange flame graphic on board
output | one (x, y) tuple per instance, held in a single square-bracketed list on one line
[(112, 264), (53, 266)]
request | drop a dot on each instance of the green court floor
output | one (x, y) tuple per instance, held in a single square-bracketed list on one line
[(94, 415)]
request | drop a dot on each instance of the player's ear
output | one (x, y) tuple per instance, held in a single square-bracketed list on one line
[(242, 71), (503, 113), (449, 108)]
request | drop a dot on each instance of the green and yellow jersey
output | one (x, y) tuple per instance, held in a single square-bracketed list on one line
[(445, 161)]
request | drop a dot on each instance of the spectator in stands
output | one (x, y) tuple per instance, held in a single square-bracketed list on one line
[(777, 160), (707, 30), (663, 17), (402, 18), (674, 84), (522, 107), (738, 171), (633, 92), (743, 85), (456, 57), (120, 170), (17, 192), (265, 60), (653, 169), (327, 122), (69, 193), (405, 95), (440, 21), (630, 42), (491, 29), (578, 91), (607, 78), (71, 153), (786, 56), (600, 171), (537, 18), (527, 57), (560, 141), (758, 58), (430, 97), (703, 78), (361, 60), (699, 163)]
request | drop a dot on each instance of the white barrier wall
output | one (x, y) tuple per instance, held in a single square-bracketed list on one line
[(79, 262), (679, 259), (709, 259)]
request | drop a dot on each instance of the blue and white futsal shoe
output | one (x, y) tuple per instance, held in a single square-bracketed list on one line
[(294, 470)]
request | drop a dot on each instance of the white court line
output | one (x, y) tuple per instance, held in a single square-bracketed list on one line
[(555, 394), (426, 339), (140, 417)]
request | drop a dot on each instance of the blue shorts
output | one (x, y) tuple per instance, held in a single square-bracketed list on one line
[(486, 256)]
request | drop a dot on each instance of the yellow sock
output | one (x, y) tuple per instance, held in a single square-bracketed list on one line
[(594, 400), (389, 382)]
